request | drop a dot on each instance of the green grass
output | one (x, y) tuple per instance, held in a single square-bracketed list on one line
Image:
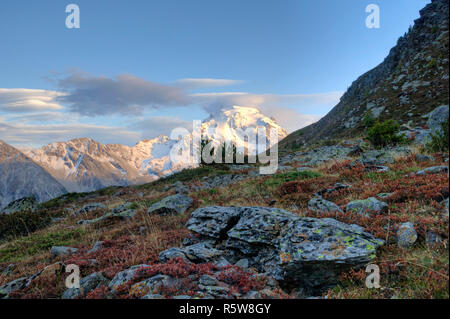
[(34, 244), (276, 180)]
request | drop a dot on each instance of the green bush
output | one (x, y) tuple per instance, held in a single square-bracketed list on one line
[(369, 119), (439, 140), (385, 133)]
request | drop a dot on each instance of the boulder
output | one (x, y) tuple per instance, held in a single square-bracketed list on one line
[(12, 286), (124, 276), (406, 235), (433, 170), (293, 250), (319, 205), (154, 284), (172, 253), (436, 117), (367, 206), (87, 284), (57, 251), (172, 205), (90, 207)]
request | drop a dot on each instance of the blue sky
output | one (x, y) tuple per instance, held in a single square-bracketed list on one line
[(292, 58)]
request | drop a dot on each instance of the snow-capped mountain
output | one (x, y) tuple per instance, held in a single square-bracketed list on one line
[(21, 177), (230, 124), (83, 164)]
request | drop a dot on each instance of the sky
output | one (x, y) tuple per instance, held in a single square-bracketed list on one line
[(136, 69)]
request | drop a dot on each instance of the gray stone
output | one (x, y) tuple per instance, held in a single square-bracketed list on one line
[(123, 215), (8, 270), (57, 251), (252, 295), (423, 158), (152, 296), (289, 248), (436, 117), (124, 276), (90, 207), (97, 246), (172, 253), (445, 205), (202, 252), (432, 238), (182, 297), (384, 195), (207, 280), (154, 284), (375, 157), (12, 286), (367, 206), (303, 169), (243, 263), (320, 205), (87, 284), (21, 205), (172, 205), (433, 170), (406, 235)]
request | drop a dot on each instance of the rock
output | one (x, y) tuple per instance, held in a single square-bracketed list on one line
[(221, 180), (252, 295), (172, 205), (172, 253), (291, 249), (124, 276), (12, 286), (180, 188), (377, 168), (202, 252), (57, 251), (215, 291), (319, 155), (152, 296), (243, 263), (123, 215), (122, 208), (182, 297), (319, 205), (90, 207), (222, 262), (433, 170), (207, 280), (97, 246), (367, 206), (375, 157), (87, 284), (406, 235), (154, 284), (303, 169), (436, 117), (8, 270), (213, 221), (432, 238), (21, 205), (336, 187), (423, 158), (445, 205)]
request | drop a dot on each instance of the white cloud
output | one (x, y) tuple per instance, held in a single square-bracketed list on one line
[(29, 100), (159, 125)]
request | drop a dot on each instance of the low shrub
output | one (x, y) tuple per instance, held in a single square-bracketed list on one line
[(385, 133)]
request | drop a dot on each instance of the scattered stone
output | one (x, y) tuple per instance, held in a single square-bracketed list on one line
[(8, 270), (154, 284), (172, 253), (124, 276), (319, 205), (207, 280), (152, 296), (57, 251), (12, 286), (406, 235), (21, 205), (433, 170), (252, 295), (97, 246), (222, 180), (172, 205), (374, 157), (367, 206), (90, 207), (377, 168), (124, 215), (87, 284), (336, 187), (423, 158), (303, 169), (432, 238)]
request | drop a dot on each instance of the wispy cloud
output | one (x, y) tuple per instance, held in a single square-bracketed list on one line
[(36, 135), (126, 94), (159, 125), (29, 100)]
